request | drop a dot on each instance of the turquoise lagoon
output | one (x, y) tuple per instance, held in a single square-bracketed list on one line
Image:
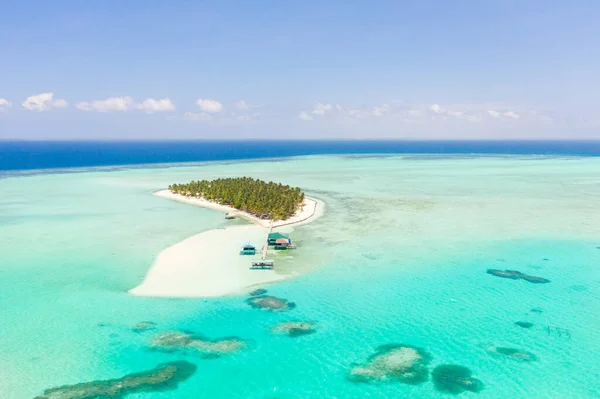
[(400, 257)]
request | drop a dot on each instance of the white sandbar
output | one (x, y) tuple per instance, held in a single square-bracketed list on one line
[(208, 264)]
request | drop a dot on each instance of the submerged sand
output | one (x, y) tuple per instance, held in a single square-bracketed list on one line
[(208, 264)]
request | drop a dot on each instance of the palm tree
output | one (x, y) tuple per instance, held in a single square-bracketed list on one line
[(265, 200)]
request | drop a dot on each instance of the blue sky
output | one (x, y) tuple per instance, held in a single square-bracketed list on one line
[(335, 69)]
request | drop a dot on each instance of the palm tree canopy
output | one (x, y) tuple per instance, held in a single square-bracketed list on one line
[(266, 200)]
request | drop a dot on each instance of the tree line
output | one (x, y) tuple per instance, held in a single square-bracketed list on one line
[(265, 200)]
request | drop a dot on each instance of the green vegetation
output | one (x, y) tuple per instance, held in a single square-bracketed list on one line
[(265, 200)]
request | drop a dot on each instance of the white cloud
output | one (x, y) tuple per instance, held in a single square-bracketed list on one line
[(304, 116), (356, 113), (446, 112), (210, 106), (4, 104), (321, 109), (242, 105), (126, 103), (151, 105), (499, 115), (379, 111), (389, 113), (60, 103), (203, 116), (110, 104), (436, 108), (43, 102)]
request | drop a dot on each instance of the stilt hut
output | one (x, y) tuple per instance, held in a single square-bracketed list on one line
[(248, 249), (282, 244), (274, 237)]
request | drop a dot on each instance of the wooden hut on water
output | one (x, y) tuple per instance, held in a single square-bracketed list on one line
[(280, 241), (248, 249), (273, 237)]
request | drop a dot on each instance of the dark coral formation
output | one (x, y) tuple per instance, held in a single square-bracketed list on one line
[(455, 379), (403, 363), (534, 279), (143, 326), (516, 275), (270, 303), (513, 353), (295, 328), (259, 291), (524, 324), (194, 343), (164, 377)]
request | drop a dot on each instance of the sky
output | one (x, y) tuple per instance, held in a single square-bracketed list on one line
[(463, 69)]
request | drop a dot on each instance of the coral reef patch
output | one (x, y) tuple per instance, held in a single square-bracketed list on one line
[(455, 379), (524, 324), (143, 326), (258, 291), (403, 363), (517, 275), (270, 303), (163, 377), (175, 341), (295, 328), (513, 353)]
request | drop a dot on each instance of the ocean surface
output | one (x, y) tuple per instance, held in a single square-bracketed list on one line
[(17, 155), (400, 257)]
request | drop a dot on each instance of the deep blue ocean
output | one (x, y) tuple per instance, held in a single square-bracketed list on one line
[(27, 155)]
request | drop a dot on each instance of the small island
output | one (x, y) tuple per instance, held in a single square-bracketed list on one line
[(209, 264), (273, 201)]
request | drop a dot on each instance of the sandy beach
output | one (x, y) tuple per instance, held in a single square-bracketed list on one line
[(309, 209), (208, 264)]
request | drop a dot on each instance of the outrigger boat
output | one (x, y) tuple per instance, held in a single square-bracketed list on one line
[(263, 264)]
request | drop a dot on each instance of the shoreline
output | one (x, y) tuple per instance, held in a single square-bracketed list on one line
[(308, 211), (208, 264)]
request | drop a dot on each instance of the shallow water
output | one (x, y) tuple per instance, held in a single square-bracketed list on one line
[(400, 257)]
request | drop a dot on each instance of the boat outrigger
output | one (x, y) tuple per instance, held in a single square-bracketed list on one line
[(262, 264)]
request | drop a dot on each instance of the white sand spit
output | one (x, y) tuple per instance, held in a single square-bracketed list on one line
[(208, 264)]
